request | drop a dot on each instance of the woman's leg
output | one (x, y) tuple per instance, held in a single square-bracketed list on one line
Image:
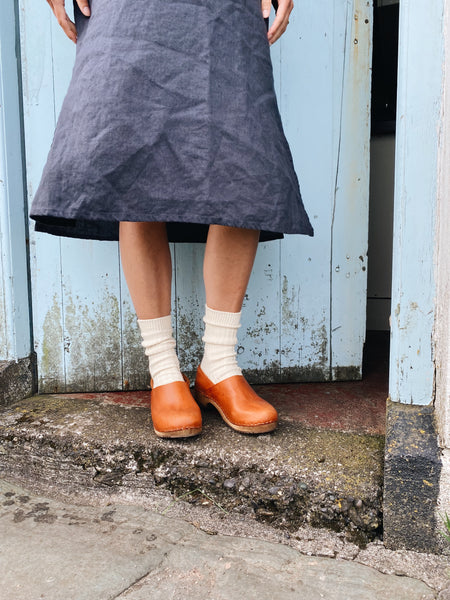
[(229, 257), (147, 266)]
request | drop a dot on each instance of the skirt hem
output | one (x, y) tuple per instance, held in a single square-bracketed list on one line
[(182, 230)]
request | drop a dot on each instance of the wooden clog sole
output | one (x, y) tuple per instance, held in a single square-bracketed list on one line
[(204, 400), (179, 433)]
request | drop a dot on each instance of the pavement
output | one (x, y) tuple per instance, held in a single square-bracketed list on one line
[(56, 550)]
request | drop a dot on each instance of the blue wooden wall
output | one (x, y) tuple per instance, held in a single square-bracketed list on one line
[(304, 314), (419, 118), (15, 331)]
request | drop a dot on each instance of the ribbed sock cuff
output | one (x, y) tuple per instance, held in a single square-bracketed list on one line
[(155, 325), (222, 318)]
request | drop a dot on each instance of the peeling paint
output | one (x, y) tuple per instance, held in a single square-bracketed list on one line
[(135, 362), (290, 299), (92, 343), (348, 373), (190, 329), (51, 374)]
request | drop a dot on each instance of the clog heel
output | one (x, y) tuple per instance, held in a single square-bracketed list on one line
[(239, 405)]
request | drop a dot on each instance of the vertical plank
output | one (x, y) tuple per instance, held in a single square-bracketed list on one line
[(189, 305), (92, 324), (90, 280), (412, 369), (349, 227), (442, 261), (15, 334), (259, 337), (39, 123), (306, 108)]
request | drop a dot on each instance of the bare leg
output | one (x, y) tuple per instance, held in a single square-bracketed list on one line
[(147, 266), (229, 256)]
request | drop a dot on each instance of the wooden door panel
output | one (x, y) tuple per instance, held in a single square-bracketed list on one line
[(304, 313)]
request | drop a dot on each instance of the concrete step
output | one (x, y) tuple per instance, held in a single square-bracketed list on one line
[(327, 476)]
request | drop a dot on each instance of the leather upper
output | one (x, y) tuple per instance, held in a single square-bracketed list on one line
[(173, 407), (237, 399)]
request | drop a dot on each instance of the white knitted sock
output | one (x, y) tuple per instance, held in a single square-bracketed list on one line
[(219, 360), (159, 346)]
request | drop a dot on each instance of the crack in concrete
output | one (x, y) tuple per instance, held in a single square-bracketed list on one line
[(136, 583)]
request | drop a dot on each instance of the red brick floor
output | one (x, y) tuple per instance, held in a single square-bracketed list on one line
[(352, 406)]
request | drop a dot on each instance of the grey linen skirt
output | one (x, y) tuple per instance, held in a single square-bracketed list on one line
[(170, 116)]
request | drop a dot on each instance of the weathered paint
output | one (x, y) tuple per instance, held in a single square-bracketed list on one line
[(349, 227), (334, 172), (189, 302), (15, 332), (412, 369), (45, 253), (441, 336), (287, 321), (306, 83), (442, 262), (50, 355)]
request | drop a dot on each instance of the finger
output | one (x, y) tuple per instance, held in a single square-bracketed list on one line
[(83, 5), (277, 30), (63, 19), (276, 36), (281, 21), (265, 7)]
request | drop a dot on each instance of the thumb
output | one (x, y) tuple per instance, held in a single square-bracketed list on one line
[(83, 5), (265, 7)]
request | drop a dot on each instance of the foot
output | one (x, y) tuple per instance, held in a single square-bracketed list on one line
[(174, 411), (239, 405)]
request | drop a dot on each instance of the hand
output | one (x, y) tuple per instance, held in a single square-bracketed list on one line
[(281, 20), (59, 11)]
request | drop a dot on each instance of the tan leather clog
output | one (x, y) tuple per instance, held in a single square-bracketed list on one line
[(239, 405), (174, 411)]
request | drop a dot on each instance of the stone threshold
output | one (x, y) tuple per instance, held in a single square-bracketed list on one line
[(298, 475)]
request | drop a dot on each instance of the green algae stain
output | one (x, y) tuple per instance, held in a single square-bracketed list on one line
[(92, 343), (135, 363), (51, 367)]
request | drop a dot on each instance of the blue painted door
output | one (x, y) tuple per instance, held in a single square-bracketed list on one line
[(304, 313)]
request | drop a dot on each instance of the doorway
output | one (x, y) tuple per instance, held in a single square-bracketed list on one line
[(381, 197)]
